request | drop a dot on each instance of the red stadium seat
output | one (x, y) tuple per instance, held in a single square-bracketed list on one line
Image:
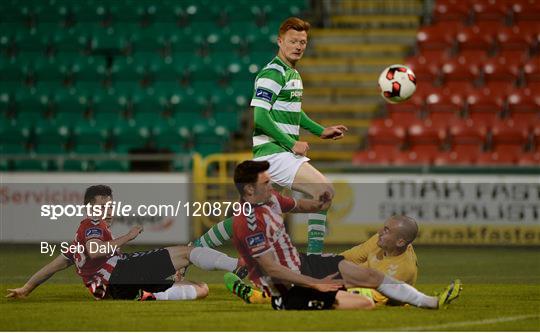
[(489, 11), (524, 108), (499, 69), (385, 136), (536, 136), (424, 70), (452, 158), (451, 11), (531, 71), (494, 158), (425, 139), (369, 157), (403, 114), (411, 158), (434, 38), (483, 108), (529, 159), (508, 138), (514, 44), (467, 138), (425, 88), (472, 38), (473, 56), (458, 76), (530, 29), (523, 11), (443, 109), (499, 89)]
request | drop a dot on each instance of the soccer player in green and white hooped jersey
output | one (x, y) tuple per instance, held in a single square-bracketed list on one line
[(278, 118)]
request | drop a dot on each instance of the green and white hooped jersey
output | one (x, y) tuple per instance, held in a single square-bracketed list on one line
[(278, 89)]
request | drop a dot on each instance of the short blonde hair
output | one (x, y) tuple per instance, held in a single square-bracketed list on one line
[(294, 23)]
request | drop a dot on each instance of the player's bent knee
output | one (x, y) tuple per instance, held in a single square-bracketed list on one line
[(349, 301), (202, 290)]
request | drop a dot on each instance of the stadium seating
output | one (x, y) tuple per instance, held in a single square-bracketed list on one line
[(87, 67), (477, 67)]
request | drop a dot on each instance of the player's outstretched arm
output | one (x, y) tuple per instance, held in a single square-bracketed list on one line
[(275, 270), (334, 132), (116, 243), (58, 264)]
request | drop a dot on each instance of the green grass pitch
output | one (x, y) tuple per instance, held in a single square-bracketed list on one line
[(501, 293)]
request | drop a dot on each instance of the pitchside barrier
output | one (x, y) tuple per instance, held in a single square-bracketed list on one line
[(498, 209)]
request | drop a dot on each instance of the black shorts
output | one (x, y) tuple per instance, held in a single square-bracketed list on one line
[(300, 298), (151, 271)]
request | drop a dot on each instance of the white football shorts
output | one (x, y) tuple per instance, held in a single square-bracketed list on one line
[(283, 167)]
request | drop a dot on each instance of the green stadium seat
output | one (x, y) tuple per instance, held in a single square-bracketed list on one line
[(107, 40), (129, 137), (125, 69), (13, 148), (70, 104), (150, 43), (127, 89), (174, 138), (150, 60), (30, 165), (71, 42), (167, 91), (229, 120), (51, 133), (83, 148), (242, 88), (46, 148), (111, 166), (50, 71), (168, 72), (189, 119), (75, 165), (70, 119), (90, 133), (89, 72), (13, 72), (4, 165)]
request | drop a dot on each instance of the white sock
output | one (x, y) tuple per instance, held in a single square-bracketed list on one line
[(177, 292), (400, 291), (210, 259)]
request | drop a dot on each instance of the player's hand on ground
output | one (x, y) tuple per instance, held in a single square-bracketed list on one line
[(300, 148), (334, 132), (17, 293), (135, 231)]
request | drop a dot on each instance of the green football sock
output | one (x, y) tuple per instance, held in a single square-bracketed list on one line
[(217, 235), (316, 232)]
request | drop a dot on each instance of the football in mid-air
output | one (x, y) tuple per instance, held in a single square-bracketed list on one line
[(397, 83)]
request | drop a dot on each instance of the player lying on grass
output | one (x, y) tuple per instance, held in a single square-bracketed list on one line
[(278, 117), (390, 251), (143, 275), (299, 281)]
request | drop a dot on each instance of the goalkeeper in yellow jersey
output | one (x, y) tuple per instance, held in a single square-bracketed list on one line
[(390, 251)]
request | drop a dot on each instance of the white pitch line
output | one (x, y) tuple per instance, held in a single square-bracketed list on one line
[(464, 323)]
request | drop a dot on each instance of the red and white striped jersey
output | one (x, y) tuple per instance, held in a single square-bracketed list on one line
[(96, 272), (261, 232)]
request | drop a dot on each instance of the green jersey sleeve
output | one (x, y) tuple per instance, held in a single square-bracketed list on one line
[(310, 125), (268, 84)]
